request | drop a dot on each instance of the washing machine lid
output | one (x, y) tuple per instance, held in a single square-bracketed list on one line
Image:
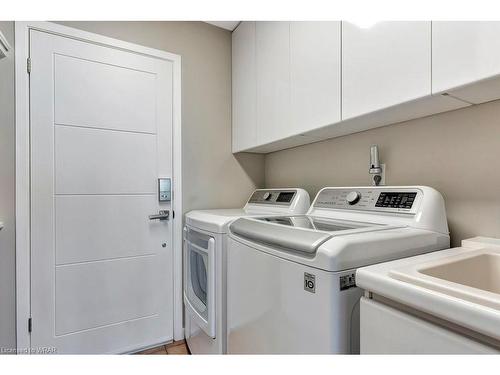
[(299, 233)]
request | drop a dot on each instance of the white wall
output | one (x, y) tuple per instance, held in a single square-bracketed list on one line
[(7, 197)]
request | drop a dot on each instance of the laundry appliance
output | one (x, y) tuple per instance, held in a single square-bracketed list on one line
[(291, 280), (205, 263)]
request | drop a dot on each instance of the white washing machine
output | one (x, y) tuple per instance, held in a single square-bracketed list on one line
[(291, 279), (205, 263)]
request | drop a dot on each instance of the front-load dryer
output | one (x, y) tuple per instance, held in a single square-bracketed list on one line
[(292, 279), (205, 263)]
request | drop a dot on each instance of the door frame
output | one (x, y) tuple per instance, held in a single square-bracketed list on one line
[(23, 214)]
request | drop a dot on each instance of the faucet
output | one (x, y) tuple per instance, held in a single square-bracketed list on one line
[(375, 167)]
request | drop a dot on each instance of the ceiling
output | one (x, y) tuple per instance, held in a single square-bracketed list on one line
[(228, 25)]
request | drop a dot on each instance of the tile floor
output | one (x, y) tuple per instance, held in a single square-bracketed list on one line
[(177, 347)]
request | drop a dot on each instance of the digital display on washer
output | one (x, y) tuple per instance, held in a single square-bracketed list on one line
[(285, 197), (396, 200)]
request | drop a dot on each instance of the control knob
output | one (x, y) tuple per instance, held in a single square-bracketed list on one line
[(353, 197), (266, 196)]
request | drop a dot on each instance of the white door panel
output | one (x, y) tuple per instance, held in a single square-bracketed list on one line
[(315, 74), (464, 52), (95, 161), (86, 297), (244, 94), (101, 271), (272, 50), (384, 65), (109, 107), (99, 227), (389, 331)]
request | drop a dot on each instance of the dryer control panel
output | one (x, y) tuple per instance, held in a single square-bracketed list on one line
[(383, 199), (274, 197)]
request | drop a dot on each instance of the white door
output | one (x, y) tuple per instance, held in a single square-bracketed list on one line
[(101, 136)]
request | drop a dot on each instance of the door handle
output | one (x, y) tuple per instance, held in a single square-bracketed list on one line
[(162, 215)]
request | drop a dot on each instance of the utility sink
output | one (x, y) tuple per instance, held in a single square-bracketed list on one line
[(479, 271), (472, 276)]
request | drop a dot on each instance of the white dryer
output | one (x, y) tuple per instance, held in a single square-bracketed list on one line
[(205, 263), (292, 279)]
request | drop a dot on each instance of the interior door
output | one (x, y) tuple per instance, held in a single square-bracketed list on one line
[(101, 136)]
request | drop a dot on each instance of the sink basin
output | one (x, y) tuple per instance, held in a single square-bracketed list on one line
[(481, 271), (472, 276)]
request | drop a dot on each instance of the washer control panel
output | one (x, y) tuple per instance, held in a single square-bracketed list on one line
[(370, 199), (274, 197), (396, 199)]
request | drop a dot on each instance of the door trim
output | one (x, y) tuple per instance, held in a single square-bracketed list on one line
[(22, 115)]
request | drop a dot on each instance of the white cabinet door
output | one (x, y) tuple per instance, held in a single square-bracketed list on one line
[(465, 52), (273, 80), (385, 330), (315, 71), (384, 65), (244, 82)]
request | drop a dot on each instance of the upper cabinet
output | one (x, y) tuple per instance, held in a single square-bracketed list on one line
[(300, 82), (315, 75), (286, 81), (465, 53), (272, 51), (384, 65), (244, 87)]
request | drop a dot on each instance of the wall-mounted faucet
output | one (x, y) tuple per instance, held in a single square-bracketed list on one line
[(377, 170)]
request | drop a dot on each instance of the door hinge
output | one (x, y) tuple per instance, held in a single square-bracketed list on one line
[(28, 65), (173, 214), (30, 325)]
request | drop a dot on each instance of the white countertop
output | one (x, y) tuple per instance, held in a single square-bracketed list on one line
[(376, 279)]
